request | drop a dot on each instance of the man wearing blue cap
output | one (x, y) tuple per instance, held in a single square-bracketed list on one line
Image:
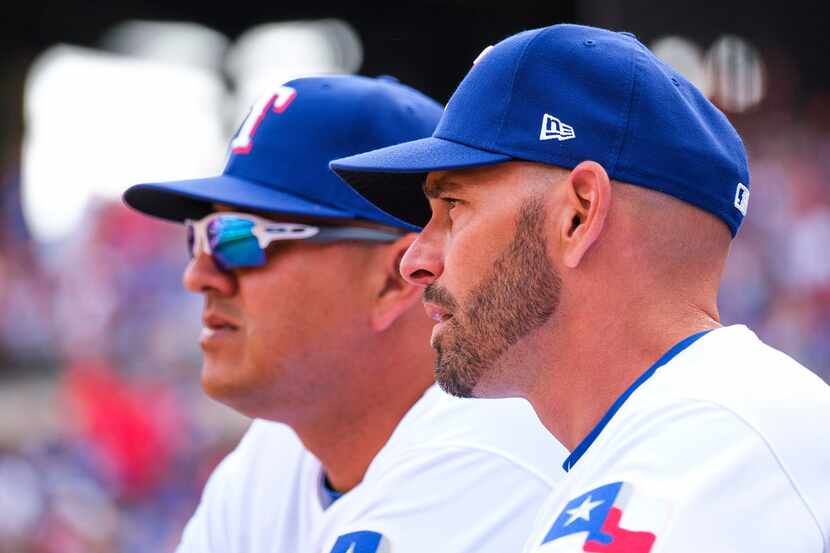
[(310, 329), (584, 196)]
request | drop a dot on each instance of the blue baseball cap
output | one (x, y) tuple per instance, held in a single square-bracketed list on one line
[(564, 94), (279, 158)]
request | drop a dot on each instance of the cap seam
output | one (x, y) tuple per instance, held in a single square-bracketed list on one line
[(369, 97), (633, 92), (742, 168), (513, 84)]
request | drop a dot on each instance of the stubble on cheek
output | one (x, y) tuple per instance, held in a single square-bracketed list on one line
[(518, 295)]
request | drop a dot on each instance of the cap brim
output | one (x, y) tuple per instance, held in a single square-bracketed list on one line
[(404, 167), (193, 199)]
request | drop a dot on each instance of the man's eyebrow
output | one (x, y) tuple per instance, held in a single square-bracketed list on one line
[(439, 186)]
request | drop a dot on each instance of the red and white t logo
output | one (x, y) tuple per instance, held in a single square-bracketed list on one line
[(278, 101)]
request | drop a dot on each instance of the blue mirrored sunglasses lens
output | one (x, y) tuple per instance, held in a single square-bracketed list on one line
[(233, 244)]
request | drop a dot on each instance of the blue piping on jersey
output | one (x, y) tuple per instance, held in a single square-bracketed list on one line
[(333, 494), (583, 446)]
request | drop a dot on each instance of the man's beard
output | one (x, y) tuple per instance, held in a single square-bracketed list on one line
[(518, 295)]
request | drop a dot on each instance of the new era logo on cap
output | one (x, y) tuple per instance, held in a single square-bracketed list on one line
[(554, 128)]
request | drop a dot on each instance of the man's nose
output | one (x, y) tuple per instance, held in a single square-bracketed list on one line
[(423, 262), (201, 276)]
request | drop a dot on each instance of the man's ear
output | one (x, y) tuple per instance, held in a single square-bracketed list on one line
[(395, 296), (588, 199)]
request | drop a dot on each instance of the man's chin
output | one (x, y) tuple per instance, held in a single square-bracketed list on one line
[(220, 382), (453, 381), (465, 380)]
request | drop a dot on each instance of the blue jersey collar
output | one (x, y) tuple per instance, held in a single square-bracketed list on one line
[(583, 446), (329, 490)]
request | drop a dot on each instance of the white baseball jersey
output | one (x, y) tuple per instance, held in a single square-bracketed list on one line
[(456, 476), (723, 445)]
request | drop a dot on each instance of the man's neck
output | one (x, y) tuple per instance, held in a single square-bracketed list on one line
[(346, 439), (589, 371)]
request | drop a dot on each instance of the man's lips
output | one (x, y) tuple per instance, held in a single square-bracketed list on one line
[(216, 321), (436, 312)]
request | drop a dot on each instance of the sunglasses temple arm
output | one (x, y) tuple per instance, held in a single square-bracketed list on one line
[(331, 234)]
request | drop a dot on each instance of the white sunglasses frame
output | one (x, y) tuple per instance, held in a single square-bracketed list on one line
[(267, 231)]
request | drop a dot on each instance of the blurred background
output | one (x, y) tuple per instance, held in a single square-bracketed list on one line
[(105, 436)]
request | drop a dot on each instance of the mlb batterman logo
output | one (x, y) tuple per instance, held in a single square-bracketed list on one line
[(591, 522), (742, 198)]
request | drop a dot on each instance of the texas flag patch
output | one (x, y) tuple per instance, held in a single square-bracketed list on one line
[(592, 522)]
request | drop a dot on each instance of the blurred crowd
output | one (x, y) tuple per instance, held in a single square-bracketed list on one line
[(778, 274), (102, 314)]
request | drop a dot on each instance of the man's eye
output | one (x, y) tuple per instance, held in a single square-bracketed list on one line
[(451, 202)]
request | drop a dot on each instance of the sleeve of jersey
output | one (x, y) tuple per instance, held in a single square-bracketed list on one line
[(455, 500), (692, 478)]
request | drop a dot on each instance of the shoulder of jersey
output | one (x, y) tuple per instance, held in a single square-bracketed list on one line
[(505, 427), (733, 368), (726, 389), (772, 396)]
